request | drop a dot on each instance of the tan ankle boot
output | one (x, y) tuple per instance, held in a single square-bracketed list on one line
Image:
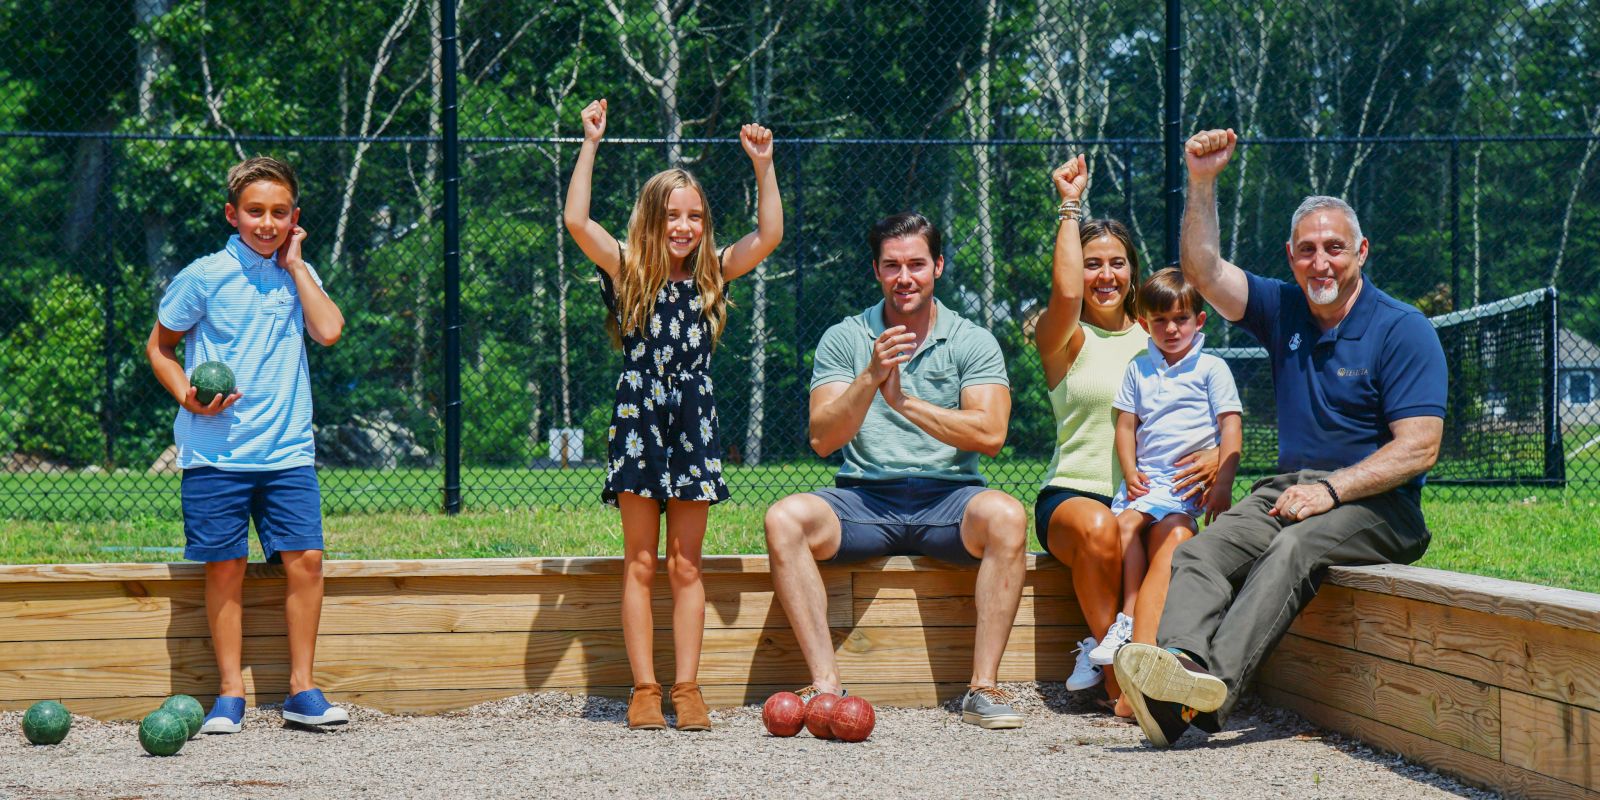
[(644, 708), (691, 707)]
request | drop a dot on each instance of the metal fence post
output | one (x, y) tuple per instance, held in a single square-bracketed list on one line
[(1555, 460), (1455, 224), (1172, 74), (452, 267)]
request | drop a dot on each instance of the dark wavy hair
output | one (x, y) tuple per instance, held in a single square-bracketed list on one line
[(906, 223)]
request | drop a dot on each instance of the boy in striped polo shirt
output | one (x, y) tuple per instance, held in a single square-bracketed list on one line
[(250, 455)]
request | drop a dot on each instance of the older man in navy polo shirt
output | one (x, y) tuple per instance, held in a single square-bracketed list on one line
[(1359, 379)]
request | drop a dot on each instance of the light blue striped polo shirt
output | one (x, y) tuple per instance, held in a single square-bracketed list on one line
[(242, 309)]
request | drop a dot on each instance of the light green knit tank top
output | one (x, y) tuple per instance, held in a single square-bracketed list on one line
[(1086, 457)]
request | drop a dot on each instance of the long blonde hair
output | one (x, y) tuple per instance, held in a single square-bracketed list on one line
[(645, 262)]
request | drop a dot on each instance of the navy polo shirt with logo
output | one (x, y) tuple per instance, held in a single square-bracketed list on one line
[(1338, 390)]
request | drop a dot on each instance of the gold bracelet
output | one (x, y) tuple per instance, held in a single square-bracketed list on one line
[(1069, 210)]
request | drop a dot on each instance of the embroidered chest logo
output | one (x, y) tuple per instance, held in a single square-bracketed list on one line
[(1352, 372), (1294, 342)]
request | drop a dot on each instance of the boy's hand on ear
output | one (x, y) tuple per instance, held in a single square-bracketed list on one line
[(290, 256)]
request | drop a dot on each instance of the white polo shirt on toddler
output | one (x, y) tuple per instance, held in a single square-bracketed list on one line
[(1177, 406)]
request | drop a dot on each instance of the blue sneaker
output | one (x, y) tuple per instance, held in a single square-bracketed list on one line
[(227, 716), (311, 708)]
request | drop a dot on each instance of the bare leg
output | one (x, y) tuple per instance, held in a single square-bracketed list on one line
[(641, 532), (302, 611), (995, 529), (801, 528), (1083, 535), (1161, 541), (1130, 529), (686, 533), (225, 614)]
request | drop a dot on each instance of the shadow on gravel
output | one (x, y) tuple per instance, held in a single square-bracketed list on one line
[(605, 709)]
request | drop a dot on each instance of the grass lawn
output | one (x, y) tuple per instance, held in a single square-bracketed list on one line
[(1547, 537)]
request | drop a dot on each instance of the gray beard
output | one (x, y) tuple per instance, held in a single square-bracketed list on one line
[(1323, 298)]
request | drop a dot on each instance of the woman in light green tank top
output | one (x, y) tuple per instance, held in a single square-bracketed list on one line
[(1086, 337)]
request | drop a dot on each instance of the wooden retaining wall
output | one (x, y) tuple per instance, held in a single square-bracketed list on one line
[(1493, 681), (113, 640)]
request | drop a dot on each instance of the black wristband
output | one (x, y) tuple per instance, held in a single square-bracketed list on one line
[(1331, 493)]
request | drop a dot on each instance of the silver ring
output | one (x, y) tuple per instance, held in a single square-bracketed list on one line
[(1294, 511)]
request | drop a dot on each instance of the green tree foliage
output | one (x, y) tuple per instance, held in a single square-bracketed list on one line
[(359, 84)]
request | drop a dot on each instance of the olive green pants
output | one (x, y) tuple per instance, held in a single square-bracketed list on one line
[(1238, 585)]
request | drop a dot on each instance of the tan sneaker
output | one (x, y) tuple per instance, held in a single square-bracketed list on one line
[(812, 691), (691, 707), (644, 708)]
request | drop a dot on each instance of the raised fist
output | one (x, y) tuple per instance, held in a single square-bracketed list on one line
[(757, 142), (1207, 152), (594, 120), (1072, 178)]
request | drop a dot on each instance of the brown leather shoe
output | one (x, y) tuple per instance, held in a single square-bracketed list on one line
[(644, 708), (691, 707)]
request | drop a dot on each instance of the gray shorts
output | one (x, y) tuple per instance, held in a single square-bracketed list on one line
[(903, 517)]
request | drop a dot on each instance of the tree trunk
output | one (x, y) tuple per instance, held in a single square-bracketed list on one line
[(153, 57), (671, 64), (983, 128), (755, 420), (88, 176), (422, 303)]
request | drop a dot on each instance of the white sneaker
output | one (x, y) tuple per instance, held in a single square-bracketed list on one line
[(1084, 674), (1119, 634)]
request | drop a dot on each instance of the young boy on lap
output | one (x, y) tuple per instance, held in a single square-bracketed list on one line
[(1175, 400), (250, 456)]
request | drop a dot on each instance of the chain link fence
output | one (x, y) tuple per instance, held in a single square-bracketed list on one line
[(1465, 134)]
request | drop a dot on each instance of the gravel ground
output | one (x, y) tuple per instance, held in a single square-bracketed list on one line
[(556, 745)]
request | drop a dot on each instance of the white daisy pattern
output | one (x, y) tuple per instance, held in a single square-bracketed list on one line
[(664, 442)]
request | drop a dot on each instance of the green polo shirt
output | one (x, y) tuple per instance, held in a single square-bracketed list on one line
[(956, 355)]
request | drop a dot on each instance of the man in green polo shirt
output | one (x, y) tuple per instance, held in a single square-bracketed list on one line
[(912, 393)]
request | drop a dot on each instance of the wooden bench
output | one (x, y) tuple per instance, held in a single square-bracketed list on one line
[(1493, 681), (424, 636)]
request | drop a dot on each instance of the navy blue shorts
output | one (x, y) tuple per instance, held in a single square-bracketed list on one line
[(1049, 498), (218, 506), (903, 517)]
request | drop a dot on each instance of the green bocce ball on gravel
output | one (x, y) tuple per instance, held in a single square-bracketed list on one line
[(189, 709), (46, 722), (163, 733), (209, 380)]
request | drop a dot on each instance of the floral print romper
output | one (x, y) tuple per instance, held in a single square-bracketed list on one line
[(663, 441)]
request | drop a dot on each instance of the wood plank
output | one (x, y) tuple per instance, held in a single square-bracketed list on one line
[(1532, 657), (159, 609), (1330, 617), (1472, 768), (937, 612), (944, 599), (458, 567), (1544, 604), (1448, 709), (526, 660), (1551, 738)]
